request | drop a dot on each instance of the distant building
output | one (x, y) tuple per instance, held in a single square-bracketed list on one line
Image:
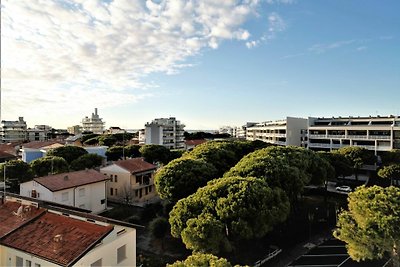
[(142, 136), (75, 130), (287, 132), (93, 124), (227, 130), (241, 132), (115, 130), (131, 180), (82, 189), (38, 234), (13, 131), (190, 144), (37, 149), (165, 131), (39, 133), (375, 133)]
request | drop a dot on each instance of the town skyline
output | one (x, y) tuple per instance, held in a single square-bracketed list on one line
[(207, 64)]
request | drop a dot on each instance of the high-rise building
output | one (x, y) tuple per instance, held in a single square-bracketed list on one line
[(165, 131), (13, 131), (93, 124)]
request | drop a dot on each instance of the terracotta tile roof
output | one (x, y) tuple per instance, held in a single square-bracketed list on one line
[(39, 238), (59, 182), (40, 144), (135, 165), (5, 155), (195, 142), (8, 148), (9, 221)]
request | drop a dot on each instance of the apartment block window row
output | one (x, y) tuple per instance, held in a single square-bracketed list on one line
[(19, 262)]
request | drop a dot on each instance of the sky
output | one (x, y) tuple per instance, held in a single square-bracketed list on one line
[(208, 63)]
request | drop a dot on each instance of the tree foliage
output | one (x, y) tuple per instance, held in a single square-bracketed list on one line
[(391, 157), (204, 260), (155, 153), (92, 141), (16, 170), (182, 177), (87, 161), (114, 153), (88, 136), (391, 172), (69, 153), (159, 227), (371, 226), (341, 164), (107, 140), (49, 165), (227, 210), (358, 156), (132, 151)]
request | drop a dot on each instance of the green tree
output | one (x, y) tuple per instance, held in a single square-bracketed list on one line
[(107, 140), (204, 260), (341, 164), (16, 172), (155, 153), (159, 228), (49, 165), (226, 211), (69, 153), (88, 136), (358, 157), (132, 151), (391, 172), (87, 161), (371, 226), (114, 152), (391, 157), (92, 141), (182, 177)]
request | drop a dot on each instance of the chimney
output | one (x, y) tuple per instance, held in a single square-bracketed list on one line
[(66, 178), (95, 111)]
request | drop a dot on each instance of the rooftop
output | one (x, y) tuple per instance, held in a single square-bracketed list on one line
[(41, 144), (54, 237), (66, 180), (135, 165)]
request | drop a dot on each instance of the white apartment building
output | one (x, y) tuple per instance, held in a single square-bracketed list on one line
[(165, 131), (39, 234), (39, 133), (13, 131), (84, 189), (93, 124), (287, 132), (373, 133), (241, 131)]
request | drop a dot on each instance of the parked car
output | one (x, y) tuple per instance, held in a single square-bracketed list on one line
[(344, 188)]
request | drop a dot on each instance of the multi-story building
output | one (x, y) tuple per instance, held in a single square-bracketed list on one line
[(13, 131), (38, 233), (82, 189), (39, 133), (131, 180), (142, 136), (241, 132), (287, 132), (75, 130), (373, 133), (165, 131), (227, 130), (93, 124)]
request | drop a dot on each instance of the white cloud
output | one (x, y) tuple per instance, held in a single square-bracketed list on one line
[(322, 48), (62, 53), (275, 25)]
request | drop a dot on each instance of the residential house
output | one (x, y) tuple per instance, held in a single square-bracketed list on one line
[(39, 234), (131, 181), (37, 149), (84, 189)]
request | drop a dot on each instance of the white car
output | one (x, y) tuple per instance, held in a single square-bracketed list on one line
[(344, 188)]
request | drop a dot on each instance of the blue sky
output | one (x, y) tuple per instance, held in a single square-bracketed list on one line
[(207, 63)]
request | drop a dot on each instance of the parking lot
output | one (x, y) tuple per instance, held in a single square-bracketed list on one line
[(333, 253)]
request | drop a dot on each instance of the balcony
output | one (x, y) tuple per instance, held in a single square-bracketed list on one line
[(381, 137)]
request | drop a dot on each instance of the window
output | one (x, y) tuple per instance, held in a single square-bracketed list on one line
[(111, 191), (116, 191), (111, 177), (102, 201), (82, 192), (97, 263), (150, 188), (146, 190), (116, 178), (121, 253), (28, 263), (19, 262), (64, 196), (37, 265)]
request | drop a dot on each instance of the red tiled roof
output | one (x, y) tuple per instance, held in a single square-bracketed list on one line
[(59, 182), (5, 155), (39, 144), (38, 237), (135, 165), (195, 142), (9, 221), (8, 148)]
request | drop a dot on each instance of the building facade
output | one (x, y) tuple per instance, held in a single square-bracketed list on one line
[(373, 133), (287, 132), (37, 234), (168, 132), (131, 181), (82, 189), (93, 124), (13, 131)]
